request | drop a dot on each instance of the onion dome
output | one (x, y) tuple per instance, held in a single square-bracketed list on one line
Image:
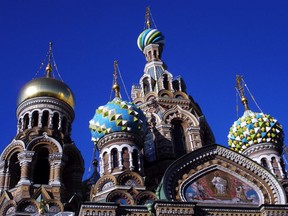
[(150, 36), (253, 128), (117, 116), (46, 87)]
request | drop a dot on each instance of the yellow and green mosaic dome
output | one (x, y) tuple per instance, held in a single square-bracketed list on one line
[(253, 128), (117, 116)]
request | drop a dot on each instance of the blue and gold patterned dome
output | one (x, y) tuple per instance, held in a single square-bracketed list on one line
[(150, 36), (117, 116), (253, 128)]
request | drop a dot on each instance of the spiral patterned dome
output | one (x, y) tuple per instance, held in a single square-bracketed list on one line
[(150, 36), (253, 128), (117, 116)]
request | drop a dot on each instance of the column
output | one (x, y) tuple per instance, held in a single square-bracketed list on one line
[(20, 125), (40, 119), (25, 159), (55, 160), (280, 167), (50, 122), (2, 175), (101, 161), (270, 166), (130, 160), (60, 122), (120, 160), (30, 121), (109, 162), (194, 138), (139, 162)]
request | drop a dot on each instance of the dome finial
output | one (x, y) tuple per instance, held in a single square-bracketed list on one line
[(240, 89), (116, 86), (49, 66), (148, 18)]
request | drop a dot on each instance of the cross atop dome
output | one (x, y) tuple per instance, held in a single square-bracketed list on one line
[(116, 86), (240, 89), (150, 35)]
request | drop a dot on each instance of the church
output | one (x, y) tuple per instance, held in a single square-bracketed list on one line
[(157, 154)]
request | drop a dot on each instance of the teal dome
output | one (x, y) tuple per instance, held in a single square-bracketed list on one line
[(117, 116), (150, 36), (253, 128)]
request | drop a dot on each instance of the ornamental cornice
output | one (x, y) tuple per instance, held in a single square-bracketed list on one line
[(260, 147), (164, 126), (55, 157), (25, 156), (166, 102), (45, 102), (99, 206), (119, 137)]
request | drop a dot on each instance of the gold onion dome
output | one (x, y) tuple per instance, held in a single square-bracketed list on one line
[(46, 87)]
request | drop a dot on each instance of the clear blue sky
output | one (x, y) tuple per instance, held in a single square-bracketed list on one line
[(207, 42)]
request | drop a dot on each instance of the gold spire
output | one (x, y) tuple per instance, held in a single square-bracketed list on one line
[(240, 88), (116, 87), (49, 66), (148, 18)]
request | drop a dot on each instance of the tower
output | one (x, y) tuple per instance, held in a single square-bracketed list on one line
[(177, 125), (41, 169), (258, 136), (118, 129), (189, 174)]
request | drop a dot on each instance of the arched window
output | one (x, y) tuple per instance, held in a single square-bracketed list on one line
[(178, 137), (149, 56), (114, 155), (41, 164), (146, 85), (155, 54), (264, 163), (135, 160), (45, 118), (55, 121), (20, 126), (14, 170), (125, 158), (26, 121), (166, 82), (35, 116)]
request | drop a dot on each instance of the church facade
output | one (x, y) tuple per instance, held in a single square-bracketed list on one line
[(157, 154)]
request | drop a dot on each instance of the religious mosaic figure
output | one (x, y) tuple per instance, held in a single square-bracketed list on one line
[(219, 183)]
